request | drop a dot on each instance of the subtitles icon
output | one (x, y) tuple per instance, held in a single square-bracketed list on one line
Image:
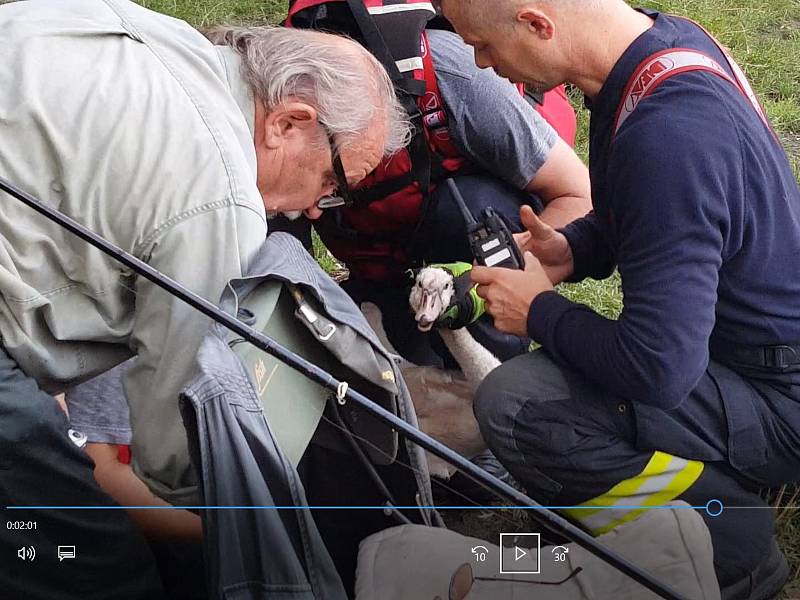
[(66, 552)]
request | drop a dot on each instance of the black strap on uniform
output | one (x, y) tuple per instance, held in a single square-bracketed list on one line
[(779, 358), (332, 223), (408, 89), (379, 191), (533, 98), (379, 47)]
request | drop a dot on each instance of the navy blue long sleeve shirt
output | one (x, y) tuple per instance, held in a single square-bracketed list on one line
[(696, 205)]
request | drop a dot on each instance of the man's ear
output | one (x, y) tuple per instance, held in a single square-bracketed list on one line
[(537, 22), (288, 120)]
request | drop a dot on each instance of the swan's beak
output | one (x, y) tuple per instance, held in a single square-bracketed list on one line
[(429, 311), (424, 325)]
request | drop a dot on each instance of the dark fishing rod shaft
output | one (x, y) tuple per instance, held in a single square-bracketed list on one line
[(545, 517)]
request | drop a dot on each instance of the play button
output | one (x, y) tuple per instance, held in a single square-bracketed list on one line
[(519, 553)]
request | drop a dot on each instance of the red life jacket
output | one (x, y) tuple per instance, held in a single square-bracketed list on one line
[(375, 236)]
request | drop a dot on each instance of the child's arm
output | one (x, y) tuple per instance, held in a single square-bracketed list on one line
[(120, 482)]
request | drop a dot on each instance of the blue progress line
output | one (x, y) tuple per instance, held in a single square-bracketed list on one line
[(713, 507), (380, 507)]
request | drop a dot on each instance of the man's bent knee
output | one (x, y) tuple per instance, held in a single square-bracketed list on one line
[(528, 378)]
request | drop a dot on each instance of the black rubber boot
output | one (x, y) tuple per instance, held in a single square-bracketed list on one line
[(764, 582)]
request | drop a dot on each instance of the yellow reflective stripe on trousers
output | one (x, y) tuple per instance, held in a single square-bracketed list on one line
[(663, 479)]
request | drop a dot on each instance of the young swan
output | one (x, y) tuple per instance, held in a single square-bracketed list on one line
[(447, 415), (429, 299)]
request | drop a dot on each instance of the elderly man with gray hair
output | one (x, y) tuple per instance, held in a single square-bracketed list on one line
[(177, 151)]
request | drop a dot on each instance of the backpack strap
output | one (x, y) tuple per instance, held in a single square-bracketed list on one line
[(408, 89), (738, 73), (375, 42), (434, 115), (658, 67)]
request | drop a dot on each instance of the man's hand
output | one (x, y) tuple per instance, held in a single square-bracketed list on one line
[(509, 292), (546, 244)]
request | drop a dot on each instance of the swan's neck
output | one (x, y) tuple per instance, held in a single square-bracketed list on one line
[(476, 362)]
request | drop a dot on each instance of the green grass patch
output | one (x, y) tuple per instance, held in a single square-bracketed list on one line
[(202, 13), (325, 258), (603, 296), (787, 521)]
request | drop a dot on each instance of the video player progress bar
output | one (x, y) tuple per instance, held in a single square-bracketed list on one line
[(713, 508)]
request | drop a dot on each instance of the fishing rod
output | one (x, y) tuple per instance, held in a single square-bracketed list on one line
[(545, 517)]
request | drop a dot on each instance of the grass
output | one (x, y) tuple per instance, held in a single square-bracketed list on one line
[(787, 522), (202, 13), (763, 35), (326, 260)]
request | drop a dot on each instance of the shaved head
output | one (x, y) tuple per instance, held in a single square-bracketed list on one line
[(499, 10), (547, 42)]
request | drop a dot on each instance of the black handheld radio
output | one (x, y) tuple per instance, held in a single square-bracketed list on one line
[(490, 240)]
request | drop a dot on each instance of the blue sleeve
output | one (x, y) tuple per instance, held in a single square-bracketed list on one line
[(489, 121), (591, 255), (675, 171)]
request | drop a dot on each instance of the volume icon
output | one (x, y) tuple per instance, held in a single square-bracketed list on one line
[(26, 553)]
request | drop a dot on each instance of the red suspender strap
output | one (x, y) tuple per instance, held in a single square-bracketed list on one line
[(659, 67), (741, 78), (434, 115)]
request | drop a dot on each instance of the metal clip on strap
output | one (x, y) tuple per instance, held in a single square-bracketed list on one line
[(341, 392), (324, 331), (780, 357), (777, 358)]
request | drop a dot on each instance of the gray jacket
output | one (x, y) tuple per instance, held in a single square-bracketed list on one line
[(132, 123), (274, 553)]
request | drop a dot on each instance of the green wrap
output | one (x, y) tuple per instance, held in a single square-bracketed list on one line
[(466, 306)]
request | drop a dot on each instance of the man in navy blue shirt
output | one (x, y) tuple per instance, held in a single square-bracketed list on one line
[(694, 393)]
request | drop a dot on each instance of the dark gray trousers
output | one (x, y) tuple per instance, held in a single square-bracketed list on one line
[(566, 442), (40, 466)]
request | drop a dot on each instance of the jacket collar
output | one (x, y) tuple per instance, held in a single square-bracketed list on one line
[(232, 61)]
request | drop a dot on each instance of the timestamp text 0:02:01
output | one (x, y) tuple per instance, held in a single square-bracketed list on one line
[(20, 525)]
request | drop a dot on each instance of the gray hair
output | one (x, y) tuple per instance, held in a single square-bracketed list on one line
[(347, 86)]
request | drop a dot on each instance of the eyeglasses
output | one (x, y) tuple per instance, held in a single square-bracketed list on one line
[(463, 579), (341, 195)]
